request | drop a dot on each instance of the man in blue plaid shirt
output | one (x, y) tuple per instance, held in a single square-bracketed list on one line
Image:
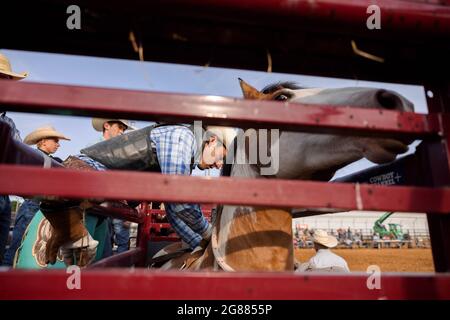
[(176, 148)]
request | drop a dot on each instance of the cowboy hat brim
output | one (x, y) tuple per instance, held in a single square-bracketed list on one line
[(15, 76), (35, 137), (329, 241), (225, 134), (97, 123)]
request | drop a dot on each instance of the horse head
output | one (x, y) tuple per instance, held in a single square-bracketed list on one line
[(318, 156)]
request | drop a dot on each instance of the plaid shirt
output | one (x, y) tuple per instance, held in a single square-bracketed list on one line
[(175, 147), (94, 164)]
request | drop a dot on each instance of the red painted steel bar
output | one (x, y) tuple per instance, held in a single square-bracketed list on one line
[(128, 214), (396, 15), (26, 180), (437, 167), (145, 284), (125, 259), (143, 235), (128, 104)]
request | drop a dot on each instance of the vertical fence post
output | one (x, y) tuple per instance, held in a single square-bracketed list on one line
[(437, 157), (144, 233)]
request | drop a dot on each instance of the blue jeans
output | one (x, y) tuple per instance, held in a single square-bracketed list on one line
[(107, 250), (5, 222), (24, 216), (121, 235)]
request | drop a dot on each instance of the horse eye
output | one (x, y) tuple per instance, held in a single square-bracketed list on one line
[(281, 97)]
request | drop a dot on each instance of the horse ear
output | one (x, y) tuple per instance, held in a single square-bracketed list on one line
[(249, 92)]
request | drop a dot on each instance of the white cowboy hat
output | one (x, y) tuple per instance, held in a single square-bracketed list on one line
[(42, 133), (97, 123), (322, 237), (5, 68), (225, 135)]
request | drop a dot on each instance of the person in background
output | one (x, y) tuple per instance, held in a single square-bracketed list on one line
[(111, 128), (324, 260), (46, 140), (6, 73)]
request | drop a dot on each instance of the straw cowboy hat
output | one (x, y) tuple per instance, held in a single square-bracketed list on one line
[(42, 133), (97, 123), (224, 134), (322, 237), (5, 69)]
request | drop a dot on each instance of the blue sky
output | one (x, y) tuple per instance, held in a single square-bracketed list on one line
[(151, 76)]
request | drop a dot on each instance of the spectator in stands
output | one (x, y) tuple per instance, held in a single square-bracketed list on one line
[(341, 235), (358, 239), (324, 260), (6, 73), (376, 240), (47, 141)]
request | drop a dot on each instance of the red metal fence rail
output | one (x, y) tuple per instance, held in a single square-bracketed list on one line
[(23, 180), (145, 284), (143, 105)]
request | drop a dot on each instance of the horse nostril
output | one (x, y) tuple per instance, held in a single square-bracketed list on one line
[(389, 100)]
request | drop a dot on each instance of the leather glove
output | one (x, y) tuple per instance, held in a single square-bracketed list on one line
[(81, 252), (67, 227)]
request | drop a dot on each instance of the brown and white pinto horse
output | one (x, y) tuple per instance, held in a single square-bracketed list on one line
[(251, 239)]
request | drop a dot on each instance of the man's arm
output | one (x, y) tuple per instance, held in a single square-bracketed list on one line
[(175, 149)]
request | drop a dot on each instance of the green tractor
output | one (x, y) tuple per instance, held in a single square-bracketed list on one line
[(395, 231)]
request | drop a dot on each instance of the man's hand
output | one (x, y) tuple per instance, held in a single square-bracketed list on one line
[(81, 252), (67, 227)]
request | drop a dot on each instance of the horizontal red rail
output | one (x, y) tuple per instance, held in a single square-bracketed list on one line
[(128, 214), (124, 259), (172, 238), (396, 15), (145, 284), (28, 180), (87, 101)]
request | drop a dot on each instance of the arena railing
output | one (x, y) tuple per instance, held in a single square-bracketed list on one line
[(84, 101)]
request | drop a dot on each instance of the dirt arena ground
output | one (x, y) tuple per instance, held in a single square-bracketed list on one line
[(397, 260)]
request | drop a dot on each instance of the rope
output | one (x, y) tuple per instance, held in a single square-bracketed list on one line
[(365, 54), (138, 48), (269, 61)]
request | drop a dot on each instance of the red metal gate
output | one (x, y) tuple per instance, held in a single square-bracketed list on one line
[(433, 197)]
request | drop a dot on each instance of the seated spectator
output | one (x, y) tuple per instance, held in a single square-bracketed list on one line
[(324, 260), (358, 239)]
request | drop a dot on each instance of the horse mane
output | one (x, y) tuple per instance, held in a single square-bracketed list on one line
[(271, 88)]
